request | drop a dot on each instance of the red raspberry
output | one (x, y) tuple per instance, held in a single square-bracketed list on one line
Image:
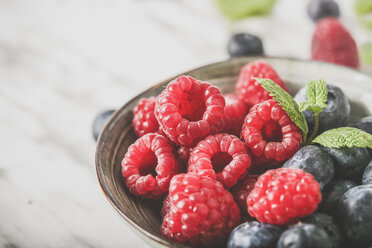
[(283, 195), (235, 112), (270, 134), (240, 191), (222, 157), (183, 154), (166, 206), (149, 165), (144, 120), (188, 110), (247, 88), (333, 43), (201, 213)]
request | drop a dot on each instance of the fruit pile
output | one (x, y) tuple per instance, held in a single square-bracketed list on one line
[(255, 169)]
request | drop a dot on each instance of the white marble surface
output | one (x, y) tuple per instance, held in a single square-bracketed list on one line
[(62, 62)]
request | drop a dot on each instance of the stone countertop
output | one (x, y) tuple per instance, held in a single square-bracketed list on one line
[(62, 62)]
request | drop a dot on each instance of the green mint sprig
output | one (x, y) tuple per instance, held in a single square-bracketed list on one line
[(344, 137), (287, 102), (316, 96)]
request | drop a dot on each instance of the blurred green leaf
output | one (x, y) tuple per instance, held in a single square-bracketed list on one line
[(363, 7), (239, 9), (366, 53)]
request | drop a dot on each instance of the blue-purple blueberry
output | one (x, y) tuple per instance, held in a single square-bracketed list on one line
[(315, 161), (365, 124), (304, 236), (367, 174), (333, 192), (254, 234), (100, 121), (354, 216), (327, 223), (244, 44), (318, 9), (349, 162)]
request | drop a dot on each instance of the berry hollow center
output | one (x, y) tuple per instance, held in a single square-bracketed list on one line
[(220, 160), (148, 164), (192, 107), (271, 131)]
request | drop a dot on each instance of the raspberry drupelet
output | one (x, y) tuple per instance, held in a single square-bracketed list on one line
[(222, 157), (283, 196), (240, 191), (235, 112), (188, 110), (251, 92), (144, 120), (149, 165), (166, 206), (201, 212), (270, 134), (183, 154)]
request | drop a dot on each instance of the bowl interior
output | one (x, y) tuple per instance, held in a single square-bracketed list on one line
[(117, 136)]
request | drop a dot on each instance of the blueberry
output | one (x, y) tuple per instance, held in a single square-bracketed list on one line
[(365, 124), (332, 193), (304, 236), (354, 216), (100, 121), (244, 44), (367, 175), (318, 9), (327, 223), (336, 114), (315, 161), (254, 234), (349, 162)]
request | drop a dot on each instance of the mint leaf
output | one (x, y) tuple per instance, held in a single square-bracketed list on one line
[(344, 137), (287, 102), (308, 106), (303, 106), (317, 92), (316, 95)]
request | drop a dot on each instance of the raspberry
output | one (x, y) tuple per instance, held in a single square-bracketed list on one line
[(201, 213), (251, 92), (283, 195), (144, 120), (189, 110), (166, 206), (235, 112), (149, 165), (183, 154), (222, 157), (333, 43), (240, 191), (270, 134)]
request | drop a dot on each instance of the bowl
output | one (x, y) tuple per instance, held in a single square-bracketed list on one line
[(144, 215)]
